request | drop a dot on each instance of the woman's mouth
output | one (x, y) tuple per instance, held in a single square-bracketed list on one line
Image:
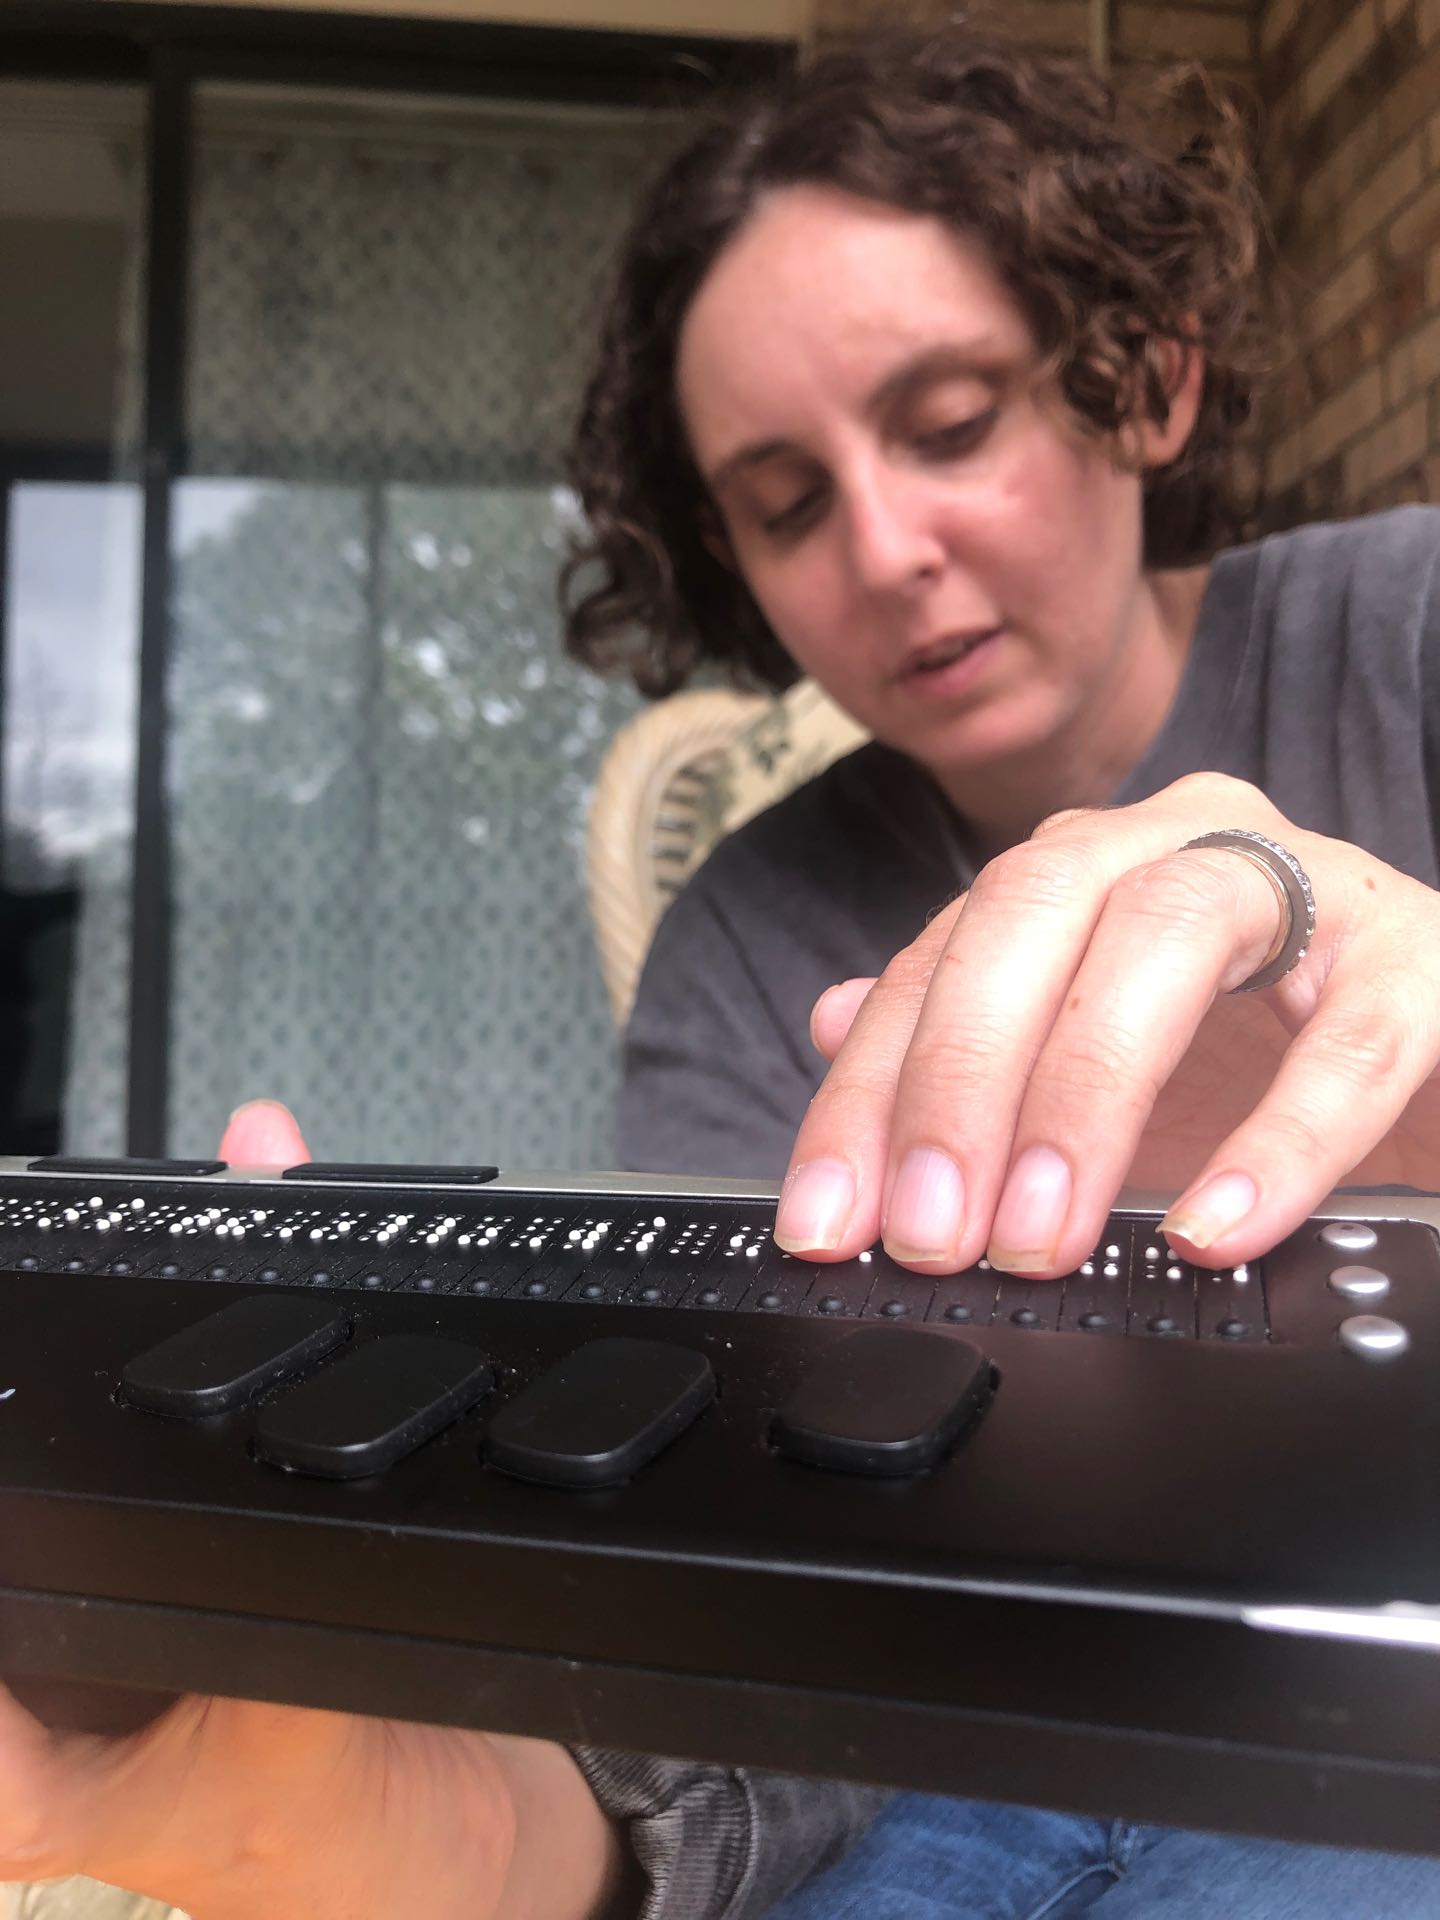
[(947, 666)]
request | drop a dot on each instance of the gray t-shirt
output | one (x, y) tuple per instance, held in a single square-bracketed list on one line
[(1314, 674), (1315, 659)]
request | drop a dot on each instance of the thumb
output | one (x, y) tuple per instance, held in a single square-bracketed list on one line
[(262, 1133), (834, 1014)]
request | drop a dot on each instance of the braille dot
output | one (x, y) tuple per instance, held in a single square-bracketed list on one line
[(537, 1289), (268, 1275), (219, 1273), (958, 1312), (894, 1309), (592, 1290), (1234, 1330), (1025, 1317), (1093, 1322), (650, 1294), (372, 1281), (1162, 1323), (832, 1303), (169, 1270), (768, 1301), (710, 1297)]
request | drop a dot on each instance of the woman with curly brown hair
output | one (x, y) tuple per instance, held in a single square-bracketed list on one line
[(921, 378)]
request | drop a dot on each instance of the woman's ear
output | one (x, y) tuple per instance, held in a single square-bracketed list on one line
[(1178, 371)]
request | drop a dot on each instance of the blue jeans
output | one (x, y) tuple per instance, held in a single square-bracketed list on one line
[(933, 1859)]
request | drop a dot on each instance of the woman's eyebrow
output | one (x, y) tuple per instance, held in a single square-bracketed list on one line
[(980, 358), (753, 455)]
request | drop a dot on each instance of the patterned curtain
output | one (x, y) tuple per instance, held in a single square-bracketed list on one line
[(380, 762)]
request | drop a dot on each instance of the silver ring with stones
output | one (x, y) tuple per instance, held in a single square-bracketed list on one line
[(1292, 891)]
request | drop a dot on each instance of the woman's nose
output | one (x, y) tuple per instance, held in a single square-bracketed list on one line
[(895, 543)]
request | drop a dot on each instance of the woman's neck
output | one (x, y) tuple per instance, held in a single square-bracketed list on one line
[(1004, 801)]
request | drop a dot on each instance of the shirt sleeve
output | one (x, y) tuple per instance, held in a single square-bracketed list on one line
[(724, 1843)]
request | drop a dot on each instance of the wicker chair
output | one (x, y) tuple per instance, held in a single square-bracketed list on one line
[(678, 778)]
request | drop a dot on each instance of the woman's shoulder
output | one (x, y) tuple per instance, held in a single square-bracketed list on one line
[(1376, 544)]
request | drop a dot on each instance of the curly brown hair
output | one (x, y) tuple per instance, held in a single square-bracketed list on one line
[(1114, 245)]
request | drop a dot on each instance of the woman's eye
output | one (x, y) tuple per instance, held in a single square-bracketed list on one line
[(796, 515), (957, 436)]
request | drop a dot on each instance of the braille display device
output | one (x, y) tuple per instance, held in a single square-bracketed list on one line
[(588, 1458)]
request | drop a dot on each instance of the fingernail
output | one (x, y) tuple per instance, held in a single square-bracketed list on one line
[(815, 1206), (1222, 1203), (1032, 1212), (927, 1207)]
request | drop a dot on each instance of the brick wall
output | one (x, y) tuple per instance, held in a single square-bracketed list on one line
[(1350, 163), (1220, 32)]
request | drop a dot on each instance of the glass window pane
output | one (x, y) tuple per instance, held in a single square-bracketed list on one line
[(71, 185), (381, 762)]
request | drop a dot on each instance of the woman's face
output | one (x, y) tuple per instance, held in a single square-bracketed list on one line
[(929, 536)]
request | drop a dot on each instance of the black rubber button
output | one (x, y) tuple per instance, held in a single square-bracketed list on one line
[(382, 1401), (76, 1163), (601, 1413), (885, 1400), (224, 1360), (368, 1174)]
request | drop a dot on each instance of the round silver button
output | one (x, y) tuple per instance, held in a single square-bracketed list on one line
[(1349, 1236), (1373, 1337), (1360, 1283)]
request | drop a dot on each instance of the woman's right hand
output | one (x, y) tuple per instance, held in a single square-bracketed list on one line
[(231, 1809)]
